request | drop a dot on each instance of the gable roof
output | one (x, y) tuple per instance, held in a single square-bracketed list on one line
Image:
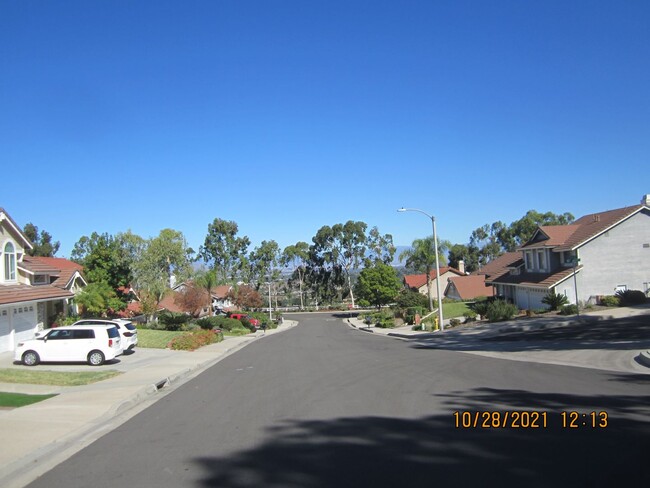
[(5, 217), (419, 280), (541, 280), (15, 294), (583, 230), (63, 269), (470, 286)]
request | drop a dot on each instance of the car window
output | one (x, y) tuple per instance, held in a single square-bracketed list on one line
[(129, 326), (112, 332), (83, 334), (60, 335)]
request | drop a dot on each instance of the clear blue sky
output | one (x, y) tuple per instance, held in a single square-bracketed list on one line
[(285, 116)]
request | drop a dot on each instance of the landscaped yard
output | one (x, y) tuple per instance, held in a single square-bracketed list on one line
[(14, 400), (454, 309), (156, 339), (55, 378)]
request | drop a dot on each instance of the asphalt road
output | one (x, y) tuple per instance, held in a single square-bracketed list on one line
[(324, 405)]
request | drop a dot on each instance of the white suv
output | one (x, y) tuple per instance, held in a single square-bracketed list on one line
[(127, 330), (93, 343)]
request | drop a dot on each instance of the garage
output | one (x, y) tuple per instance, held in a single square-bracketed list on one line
[(6, 340), (24, 323)]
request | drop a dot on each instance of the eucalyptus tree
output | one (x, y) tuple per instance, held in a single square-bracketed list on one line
[(166, 259), (206, 280), (380, 248), (421, 257), (295, 257), (341, 246), (263, 262), (224, 250)]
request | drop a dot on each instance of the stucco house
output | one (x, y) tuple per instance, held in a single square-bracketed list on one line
[(31, 294), (418, 282), (599, 254), (468, 287)]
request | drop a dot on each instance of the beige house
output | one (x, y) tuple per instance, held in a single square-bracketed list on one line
[(418, 282), (29, 297)]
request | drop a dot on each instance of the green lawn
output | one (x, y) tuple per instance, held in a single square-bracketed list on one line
[(156, 339), (454, 309), (55, 378), (14, 400)]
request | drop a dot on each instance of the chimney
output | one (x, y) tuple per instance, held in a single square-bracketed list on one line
[(461, 266), (646, 200)]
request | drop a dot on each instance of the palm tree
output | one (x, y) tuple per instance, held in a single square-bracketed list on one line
[(207, 280), (422, 257)]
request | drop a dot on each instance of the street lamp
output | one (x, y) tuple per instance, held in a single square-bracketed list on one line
[(435, 245)]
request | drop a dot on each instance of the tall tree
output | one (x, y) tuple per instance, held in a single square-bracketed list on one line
[(263, 260), (342, 245), (295, 258), (223, 250), (43, 245), (380, 248), (207, 280), (421, 257), (378, 284), (166, 259), (103, 259)]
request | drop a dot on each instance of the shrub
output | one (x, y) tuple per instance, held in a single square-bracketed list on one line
[(410, 298), (454, 323), (194, 340), (172, 320), (569, 310), (470, 316), (411, 312), (500, 310), (610, 301), (480, 307), (555, 300), (631, 297)]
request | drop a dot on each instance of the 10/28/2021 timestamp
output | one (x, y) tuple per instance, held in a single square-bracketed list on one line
[(523, 419)]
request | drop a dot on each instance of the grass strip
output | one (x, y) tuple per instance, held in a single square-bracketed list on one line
[(156, 339), (54, 378), (15, 400)]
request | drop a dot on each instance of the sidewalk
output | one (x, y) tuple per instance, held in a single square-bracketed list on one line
[(621, 356), (53, 430)]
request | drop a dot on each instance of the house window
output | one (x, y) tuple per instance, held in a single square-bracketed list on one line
[(40, 280), (541, 260), (529, 261), (10, 262)]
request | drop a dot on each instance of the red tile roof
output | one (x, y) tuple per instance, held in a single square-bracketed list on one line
[(25, 293), (501, 264), (61, 268)]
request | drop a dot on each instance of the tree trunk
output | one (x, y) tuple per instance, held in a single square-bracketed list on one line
[(429, 291)]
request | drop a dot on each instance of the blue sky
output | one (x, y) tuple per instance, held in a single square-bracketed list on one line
[(285, 116)]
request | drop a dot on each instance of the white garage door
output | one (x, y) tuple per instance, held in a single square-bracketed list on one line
[(24, 321), (5, 331)]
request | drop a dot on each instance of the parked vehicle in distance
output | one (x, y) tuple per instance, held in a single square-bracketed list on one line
[(238, 316), (94, 344), (127, 330)]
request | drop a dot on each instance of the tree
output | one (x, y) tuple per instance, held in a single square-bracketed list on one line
[(422, 258), (99, 298), (192, 299), (245, 296), (43, 245), (262, 261), (378, 284), (103, 259), (165, 258), (524, 228), (380, 248), (207, 281), (295, 257), (342, 246), (223, 250)]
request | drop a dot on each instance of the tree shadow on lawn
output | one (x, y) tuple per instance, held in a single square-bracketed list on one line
[(431, 451), (631, 333)]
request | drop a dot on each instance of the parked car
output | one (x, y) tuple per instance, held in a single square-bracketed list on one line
[(253, 321), (127, 330), (92, 343)]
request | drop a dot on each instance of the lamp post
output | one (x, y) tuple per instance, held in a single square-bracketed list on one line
[(435, 245)]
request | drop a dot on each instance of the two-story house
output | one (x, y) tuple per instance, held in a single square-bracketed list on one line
[(599, 254), (28, 299)]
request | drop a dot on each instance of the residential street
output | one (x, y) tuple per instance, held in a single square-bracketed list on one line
[(325, 405)]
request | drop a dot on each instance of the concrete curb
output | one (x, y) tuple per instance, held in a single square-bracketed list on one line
[(644, 358)]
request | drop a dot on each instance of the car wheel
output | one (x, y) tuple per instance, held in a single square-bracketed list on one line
[(31, 358), (96, 358)]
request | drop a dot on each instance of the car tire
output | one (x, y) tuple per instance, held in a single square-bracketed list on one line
[(96, 358), (31, 358)]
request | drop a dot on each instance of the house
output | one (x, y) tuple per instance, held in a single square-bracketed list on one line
[(599, 254), (468, 287), (29, 299), (220, 300), (418, 282)]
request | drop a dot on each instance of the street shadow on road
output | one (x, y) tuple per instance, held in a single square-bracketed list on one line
[(631, 333), (431, 451)]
